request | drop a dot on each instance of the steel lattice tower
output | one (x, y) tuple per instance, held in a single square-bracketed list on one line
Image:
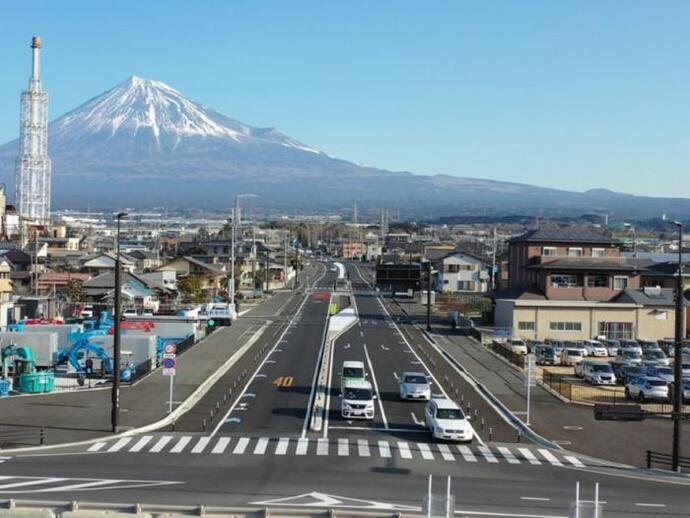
[(33, 166)]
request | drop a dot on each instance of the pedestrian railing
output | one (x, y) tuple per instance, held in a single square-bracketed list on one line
[(21, 436), (665, 459), (508, 354)]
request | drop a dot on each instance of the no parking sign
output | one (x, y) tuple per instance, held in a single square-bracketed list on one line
[(169, 365)]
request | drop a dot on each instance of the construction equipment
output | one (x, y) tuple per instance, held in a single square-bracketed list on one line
[(134, 325), (104, 323), (26, 378), (86, 369)]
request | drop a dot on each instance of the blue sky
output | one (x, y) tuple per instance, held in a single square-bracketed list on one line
[(574, 95)]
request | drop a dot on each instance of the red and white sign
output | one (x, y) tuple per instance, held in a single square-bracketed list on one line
[(170, 349)]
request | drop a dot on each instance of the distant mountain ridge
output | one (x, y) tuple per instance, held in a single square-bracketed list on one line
[(143, 143)]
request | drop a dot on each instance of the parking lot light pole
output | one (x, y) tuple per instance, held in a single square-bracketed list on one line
[(115, 395), (678, 356)]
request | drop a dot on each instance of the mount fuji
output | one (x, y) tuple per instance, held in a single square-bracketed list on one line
[(144, 144)]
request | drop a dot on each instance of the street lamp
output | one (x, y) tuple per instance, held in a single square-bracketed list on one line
[(115, 396), (678, 355)]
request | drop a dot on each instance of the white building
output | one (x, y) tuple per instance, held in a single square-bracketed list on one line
[(459, 271)]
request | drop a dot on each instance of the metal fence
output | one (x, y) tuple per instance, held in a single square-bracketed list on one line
[(13, 436), (665, 459)]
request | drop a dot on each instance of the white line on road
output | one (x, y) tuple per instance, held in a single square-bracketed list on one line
[(139, 445), (261, 446), (467, 454), (384, 450), (642, 504), (221, 445), (416, 419), (404, 450), (535, 498), (302, 445), (201, 445), (445, 452), (574, 461), (241, 446), (158, 447), (508, 455), (343, 447), (376, 387), (96, 446), (529, 456), (363, 448), (425, 451), (282, 446), (119, 444), (488, 455), (322, 446), (180, 444), (550, 457)]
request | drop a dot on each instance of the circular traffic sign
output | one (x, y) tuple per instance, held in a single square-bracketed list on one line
[(170, 348), (169, 362)]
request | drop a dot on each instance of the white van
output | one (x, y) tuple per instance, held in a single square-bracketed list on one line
[(358, 400), (571, 356), (517, 346)]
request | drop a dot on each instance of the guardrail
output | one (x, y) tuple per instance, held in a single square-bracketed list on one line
[(22, 436), (665, 459)]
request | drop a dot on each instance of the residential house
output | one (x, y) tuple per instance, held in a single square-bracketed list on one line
[(105, 261), (146, 260), (460, 272), (209, 274)]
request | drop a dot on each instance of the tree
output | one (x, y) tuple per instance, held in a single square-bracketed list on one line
[(191, 288), (75, 291), (202, 234)]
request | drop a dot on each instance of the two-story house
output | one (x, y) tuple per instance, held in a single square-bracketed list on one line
[(460, 271)]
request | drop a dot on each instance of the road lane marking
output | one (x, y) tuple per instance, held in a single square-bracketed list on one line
[(139, 445), (384, 450), (404, 450), (508, 455), (363, 448), (395, 375), (221, 445), (487, 454), (642, 504), (261, 446), (376, 387), (425, 451), (47, 480), (550, 457), (535, 498), (241, 446), (121, 443), (466, 453), (180, 444), (302, 445), (322, 446), (96, 446), (282, 446), (529, 456), (416, 419), (343, 447), (574, 461), (201, 445), (445, 452), (156, 448)]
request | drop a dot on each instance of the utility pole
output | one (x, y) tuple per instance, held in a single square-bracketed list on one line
[(115, 395), (428, 296), (678, 356), (493, 262), (285, 261), (253, 261), (268, 259)]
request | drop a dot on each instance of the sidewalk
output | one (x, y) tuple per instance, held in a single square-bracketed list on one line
[(78, 416), (571, 425)]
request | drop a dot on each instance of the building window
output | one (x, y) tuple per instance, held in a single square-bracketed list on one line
[(616, 330), (565, 280), (465, 286), (598, 252), (452, 268), (620, 282), (549, 251), (574, 252), (467, 267), (565, 326), (597, 280), (526, 326)]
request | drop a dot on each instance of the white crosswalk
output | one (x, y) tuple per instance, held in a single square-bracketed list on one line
[(342, 447)]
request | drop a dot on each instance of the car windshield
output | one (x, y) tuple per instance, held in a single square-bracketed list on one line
[(449, 413), (655, 354), (547, 351), (601, 368), (415, 379), (358, 394), (353, 372), (656, 383), (631, 371), (632, 354), (574, 352), (664, 370)]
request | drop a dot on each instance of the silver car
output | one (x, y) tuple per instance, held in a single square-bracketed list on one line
[(414, 385), (646, 388)]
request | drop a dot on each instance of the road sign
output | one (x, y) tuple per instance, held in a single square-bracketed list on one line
[(169, 365), (170, 349)]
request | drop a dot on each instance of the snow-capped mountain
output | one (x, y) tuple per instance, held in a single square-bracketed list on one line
[(143, 143)]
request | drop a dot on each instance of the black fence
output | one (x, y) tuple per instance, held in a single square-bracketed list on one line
[(142, 369), (666, 460), (185, 344), (13, 436), (508, 354)]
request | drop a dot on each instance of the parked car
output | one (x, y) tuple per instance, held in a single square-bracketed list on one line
[(357, 400), (648, 344), (660, 371), (630, 372), (646, 389), (580, 368), (668, 346), (545, 355), (618, 367), (686, 369), (612, 347), (557, 345), (596, 348), (655, 356), (446, 421), (576, 344), (628, 345), (532, 346), (599, 373), (414, 385), (571, 356), (517, 346), (129, 312), (629, 356)]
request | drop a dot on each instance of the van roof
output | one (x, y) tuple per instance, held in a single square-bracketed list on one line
[(357, 384), (445, 403), (353, 364)]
